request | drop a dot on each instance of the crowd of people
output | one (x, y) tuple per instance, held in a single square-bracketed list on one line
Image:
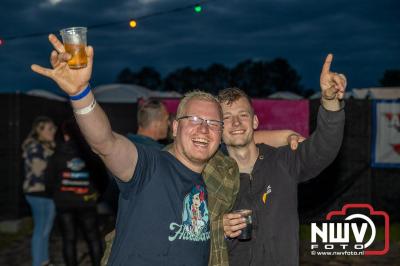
[(176, 202)]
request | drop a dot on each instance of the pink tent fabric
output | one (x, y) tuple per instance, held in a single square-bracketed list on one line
[(283, 114)]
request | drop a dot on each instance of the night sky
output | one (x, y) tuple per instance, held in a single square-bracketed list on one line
[(364, 36)]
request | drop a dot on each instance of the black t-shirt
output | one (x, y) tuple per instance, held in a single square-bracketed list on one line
[(162, 216), (68, 178)]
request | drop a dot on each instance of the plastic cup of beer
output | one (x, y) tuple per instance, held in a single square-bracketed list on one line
[(246, 232), (74, 40)]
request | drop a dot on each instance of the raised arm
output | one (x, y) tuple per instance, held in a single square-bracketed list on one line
[(333, 87), (118, 153), (321, 148)]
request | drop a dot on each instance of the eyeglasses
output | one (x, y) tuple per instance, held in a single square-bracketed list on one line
[(196, 121)]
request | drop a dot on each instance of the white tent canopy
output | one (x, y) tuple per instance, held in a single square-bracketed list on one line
[(287, 95), (128, 93), (46, 94), (113, 93), (385, 93)]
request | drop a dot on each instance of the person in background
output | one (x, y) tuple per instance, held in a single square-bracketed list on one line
[(71, 185), (153, 124), (36, 150)]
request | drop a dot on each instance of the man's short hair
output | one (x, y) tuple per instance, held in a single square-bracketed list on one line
[(149, 111), (231, 95), (196, 95)]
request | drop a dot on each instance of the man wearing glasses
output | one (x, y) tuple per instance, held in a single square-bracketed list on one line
[(163, 215)]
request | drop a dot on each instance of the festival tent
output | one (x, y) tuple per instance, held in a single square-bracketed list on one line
[(386, 93), (287, 95), (112, 93), (46, 94), (129, 93)]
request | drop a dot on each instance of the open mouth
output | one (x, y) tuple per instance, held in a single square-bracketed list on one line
[(238, 132), (200, 142)]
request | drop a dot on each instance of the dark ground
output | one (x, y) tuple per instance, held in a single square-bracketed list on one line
[(15, 249), (17, 252)]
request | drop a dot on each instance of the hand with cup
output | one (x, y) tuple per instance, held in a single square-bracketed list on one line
[(74, 40), (238, 224), (65, 71)]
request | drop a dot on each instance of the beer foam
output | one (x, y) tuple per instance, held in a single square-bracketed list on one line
[(75, 39)]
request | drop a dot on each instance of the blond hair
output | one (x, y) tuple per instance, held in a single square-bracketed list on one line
[(196, 95), (33, 135)]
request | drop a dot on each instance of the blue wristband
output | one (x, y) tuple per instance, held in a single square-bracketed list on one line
[(81, 94)]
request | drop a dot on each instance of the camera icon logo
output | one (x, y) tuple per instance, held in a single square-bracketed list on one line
[(350, 231)]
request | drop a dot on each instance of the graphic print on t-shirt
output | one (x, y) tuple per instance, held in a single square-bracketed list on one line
[(74, 178), (195, 220)]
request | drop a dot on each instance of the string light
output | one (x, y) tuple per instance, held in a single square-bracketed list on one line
[(132, 22), (197, 8)]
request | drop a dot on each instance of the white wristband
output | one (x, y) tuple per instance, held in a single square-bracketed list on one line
[(87, 109)]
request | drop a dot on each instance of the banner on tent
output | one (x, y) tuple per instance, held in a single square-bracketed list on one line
[(273, 114), (386, 133)]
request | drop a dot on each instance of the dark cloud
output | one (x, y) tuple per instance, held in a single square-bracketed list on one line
[(363, 35)]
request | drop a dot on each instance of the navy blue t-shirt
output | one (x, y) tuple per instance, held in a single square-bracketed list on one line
[(144, 140), (162, 216)]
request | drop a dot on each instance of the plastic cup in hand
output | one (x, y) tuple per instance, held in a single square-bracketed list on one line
[(246, 232), (74, 40)]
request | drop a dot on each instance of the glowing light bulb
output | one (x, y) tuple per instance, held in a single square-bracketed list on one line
[(197, 8), (132, 24)]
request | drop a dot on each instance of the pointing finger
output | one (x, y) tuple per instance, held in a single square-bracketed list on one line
[(327, 65), (41, 70)]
